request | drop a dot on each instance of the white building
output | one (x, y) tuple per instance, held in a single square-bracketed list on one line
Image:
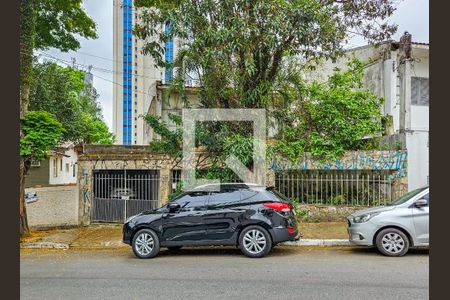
[(398, 72), (59, 169)]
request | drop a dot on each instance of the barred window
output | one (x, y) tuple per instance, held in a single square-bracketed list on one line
[(420, 91)]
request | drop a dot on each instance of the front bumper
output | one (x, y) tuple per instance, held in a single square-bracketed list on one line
[(127, 232), (361, 233)]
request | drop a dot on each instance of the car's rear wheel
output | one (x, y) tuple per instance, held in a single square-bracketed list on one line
[(255, 241), (392, 242), (145, 244)]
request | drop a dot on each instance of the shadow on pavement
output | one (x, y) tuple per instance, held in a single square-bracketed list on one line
[(374, 251)]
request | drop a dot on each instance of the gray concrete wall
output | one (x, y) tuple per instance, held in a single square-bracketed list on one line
[(56, 206)]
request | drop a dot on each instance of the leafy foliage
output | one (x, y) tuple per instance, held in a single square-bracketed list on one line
[(238, 49), (42, 132), (59, 23), (63, 92), (326, 119)]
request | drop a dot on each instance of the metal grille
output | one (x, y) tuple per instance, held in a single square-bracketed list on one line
[(336, 187), (119, 194)]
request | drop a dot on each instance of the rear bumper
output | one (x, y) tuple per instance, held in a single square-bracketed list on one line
[(283, 235)]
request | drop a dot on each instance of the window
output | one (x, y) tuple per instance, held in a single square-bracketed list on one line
[(67, 168), (74, 170), (248, 194), (55, 167), (35, 163), (60, 164), (420, 89), (224, 196), (192, 201)]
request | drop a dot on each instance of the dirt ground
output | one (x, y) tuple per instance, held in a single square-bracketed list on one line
[(324, 230)]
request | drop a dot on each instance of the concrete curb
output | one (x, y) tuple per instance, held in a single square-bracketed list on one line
[(45, 245), (318, 242), (113, 245)]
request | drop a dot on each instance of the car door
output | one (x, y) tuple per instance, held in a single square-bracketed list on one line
[(186, 224), (421, 221), (224, 214)]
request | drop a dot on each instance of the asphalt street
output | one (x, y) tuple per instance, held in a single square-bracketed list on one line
[(223, 273)]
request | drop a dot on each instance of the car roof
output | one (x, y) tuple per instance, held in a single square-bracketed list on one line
[(225, 185)]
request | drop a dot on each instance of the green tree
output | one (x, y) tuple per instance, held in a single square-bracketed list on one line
[(63, 92), (44, 24), (238, 48), (42, 131), (327, 118)]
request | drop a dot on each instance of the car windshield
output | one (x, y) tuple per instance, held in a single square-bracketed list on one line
[(407, 196)]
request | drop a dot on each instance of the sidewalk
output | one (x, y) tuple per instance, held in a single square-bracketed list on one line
[(109, 236)]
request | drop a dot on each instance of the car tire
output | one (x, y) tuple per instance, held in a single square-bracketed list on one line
[(145, 244), (174, 248), (255, 241), (392, 242)]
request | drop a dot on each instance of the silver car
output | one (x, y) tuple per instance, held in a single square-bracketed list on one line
[(393, 229)]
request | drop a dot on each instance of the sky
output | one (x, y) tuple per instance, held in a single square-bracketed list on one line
[(411, 15)]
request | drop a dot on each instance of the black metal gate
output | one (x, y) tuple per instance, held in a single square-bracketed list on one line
[(119, 194)]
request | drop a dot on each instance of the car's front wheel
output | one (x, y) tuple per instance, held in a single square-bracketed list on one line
[(145, 244), (255, 241), (392, 242)]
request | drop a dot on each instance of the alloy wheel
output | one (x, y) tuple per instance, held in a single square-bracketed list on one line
[(254, 241), (144, 244)]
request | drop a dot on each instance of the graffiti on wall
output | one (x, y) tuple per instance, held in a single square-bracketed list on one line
[(84, 183), (395, 161)]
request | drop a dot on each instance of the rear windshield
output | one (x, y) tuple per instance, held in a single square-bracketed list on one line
[(274, 195)]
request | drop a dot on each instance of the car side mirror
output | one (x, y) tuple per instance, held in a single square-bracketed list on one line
[(173, 207), (420, 203)]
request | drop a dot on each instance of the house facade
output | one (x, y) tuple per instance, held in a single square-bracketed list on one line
[(398, 71), (59, 169)]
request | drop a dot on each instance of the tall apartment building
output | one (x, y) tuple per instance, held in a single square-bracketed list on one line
[(136, 79)]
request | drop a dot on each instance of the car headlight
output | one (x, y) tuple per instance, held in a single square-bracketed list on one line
[(130, 218), (364, 218)]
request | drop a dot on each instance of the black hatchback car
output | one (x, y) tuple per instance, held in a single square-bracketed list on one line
[(252, 217)]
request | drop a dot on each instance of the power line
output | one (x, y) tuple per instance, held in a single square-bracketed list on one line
[(95, 75), (104, 70)]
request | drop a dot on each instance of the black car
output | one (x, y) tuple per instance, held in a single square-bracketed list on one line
[(253, 217)]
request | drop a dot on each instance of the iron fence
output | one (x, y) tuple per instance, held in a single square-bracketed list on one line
[(119, 194), (354, 188)]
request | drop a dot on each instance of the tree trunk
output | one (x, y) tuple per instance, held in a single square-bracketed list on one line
[(24, 229), (27, 28)]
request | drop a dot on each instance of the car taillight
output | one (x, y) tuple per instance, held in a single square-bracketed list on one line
[(283, 207)]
